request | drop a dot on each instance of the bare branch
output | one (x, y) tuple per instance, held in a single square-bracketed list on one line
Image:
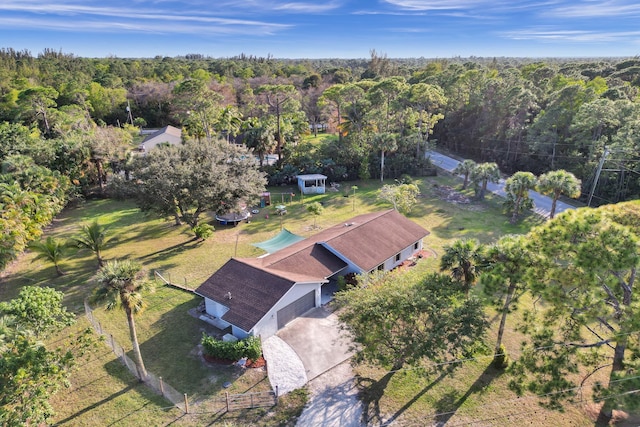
[(612, 297), (593, 372)]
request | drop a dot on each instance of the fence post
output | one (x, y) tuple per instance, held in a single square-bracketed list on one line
[(226, 397), (276, 394), (113, 345), (161, 386), (251, 397), (186, 404), (185, 283)]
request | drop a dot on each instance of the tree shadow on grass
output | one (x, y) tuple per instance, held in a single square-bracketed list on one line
[(116, 370), (95, 405), (166, 253), (449, 404), (415, 398), (372, 392)]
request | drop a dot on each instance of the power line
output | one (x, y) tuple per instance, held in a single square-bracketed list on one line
[(469, 359), (520, 399), (532, 412)]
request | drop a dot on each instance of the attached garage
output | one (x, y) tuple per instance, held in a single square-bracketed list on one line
[(296, 308)]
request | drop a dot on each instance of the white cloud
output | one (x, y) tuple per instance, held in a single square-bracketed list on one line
[(434, 4), (106, 26), (581, 36), (55, 15), (310, 8), (591, 9)]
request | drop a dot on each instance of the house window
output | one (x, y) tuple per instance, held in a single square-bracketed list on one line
[(397, 257), (380, 267), (416, 245)]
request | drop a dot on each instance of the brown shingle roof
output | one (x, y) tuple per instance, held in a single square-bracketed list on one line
[(366, 240), (309, 260), (256, 284), (373, 238), (253, 292)]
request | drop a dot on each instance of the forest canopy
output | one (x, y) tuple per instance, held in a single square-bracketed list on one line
[(69, 124)]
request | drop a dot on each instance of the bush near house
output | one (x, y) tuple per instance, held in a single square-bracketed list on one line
[(236, 350)]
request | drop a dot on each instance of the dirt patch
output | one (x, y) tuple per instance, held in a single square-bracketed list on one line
[(450, 195)]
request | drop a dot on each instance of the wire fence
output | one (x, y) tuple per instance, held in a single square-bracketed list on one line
[(226, 403), (165, 277), (152, 380)]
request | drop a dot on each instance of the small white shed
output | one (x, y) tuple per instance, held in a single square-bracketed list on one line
[(312, 183)]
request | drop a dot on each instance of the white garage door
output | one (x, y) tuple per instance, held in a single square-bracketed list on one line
[(296, 308)]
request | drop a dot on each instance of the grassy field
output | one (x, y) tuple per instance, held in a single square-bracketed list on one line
[(104, 393)]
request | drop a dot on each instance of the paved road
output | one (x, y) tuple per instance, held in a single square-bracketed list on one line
[(542, 204)]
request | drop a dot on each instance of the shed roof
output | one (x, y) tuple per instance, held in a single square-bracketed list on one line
[(311, 177)]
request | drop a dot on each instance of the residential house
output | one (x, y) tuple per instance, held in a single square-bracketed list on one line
[(166, 135), (258, 296)]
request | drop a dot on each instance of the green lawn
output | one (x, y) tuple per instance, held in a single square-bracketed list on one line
[(103, 392)]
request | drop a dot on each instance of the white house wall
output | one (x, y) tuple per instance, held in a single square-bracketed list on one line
[(388, 264), (268, 325), (406, 253), (238, 332), (214, 309)]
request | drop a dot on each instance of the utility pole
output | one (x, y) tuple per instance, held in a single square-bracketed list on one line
[(129, 115), (597, 177)]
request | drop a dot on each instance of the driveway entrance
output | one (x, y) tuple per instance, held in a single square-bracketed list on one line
[(317, 340)]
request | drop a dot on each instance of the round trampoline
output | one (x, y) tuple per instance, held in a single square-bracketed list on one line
[(233, 218)]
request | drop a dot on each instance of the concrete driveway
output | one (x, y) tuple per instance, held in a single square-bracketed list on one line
[(317, 340)]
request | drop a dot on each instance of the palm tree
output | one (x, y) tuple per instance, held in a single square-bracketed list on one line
[(465, 260), (517, 188), (93, 237), (482, 174), (121, 285), (557, 183), (51, 250), (465, 168), (260, 136), (385, 142), (229, 122)]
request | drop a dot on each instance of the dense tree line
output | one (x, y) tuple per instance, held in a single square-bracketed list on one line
[(75, 120)]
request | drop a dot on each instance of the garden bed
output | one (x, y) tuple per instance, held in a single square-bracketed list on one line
[(249, 364)]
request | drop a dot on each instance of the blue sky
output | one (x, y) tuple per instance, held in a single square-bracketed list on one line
[(324, 28)]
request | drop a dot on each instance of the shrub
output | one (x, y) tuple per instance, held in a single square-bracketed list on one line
[(405, 179), (235, 350), (203, 231), (251, 348), (120, 189)]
